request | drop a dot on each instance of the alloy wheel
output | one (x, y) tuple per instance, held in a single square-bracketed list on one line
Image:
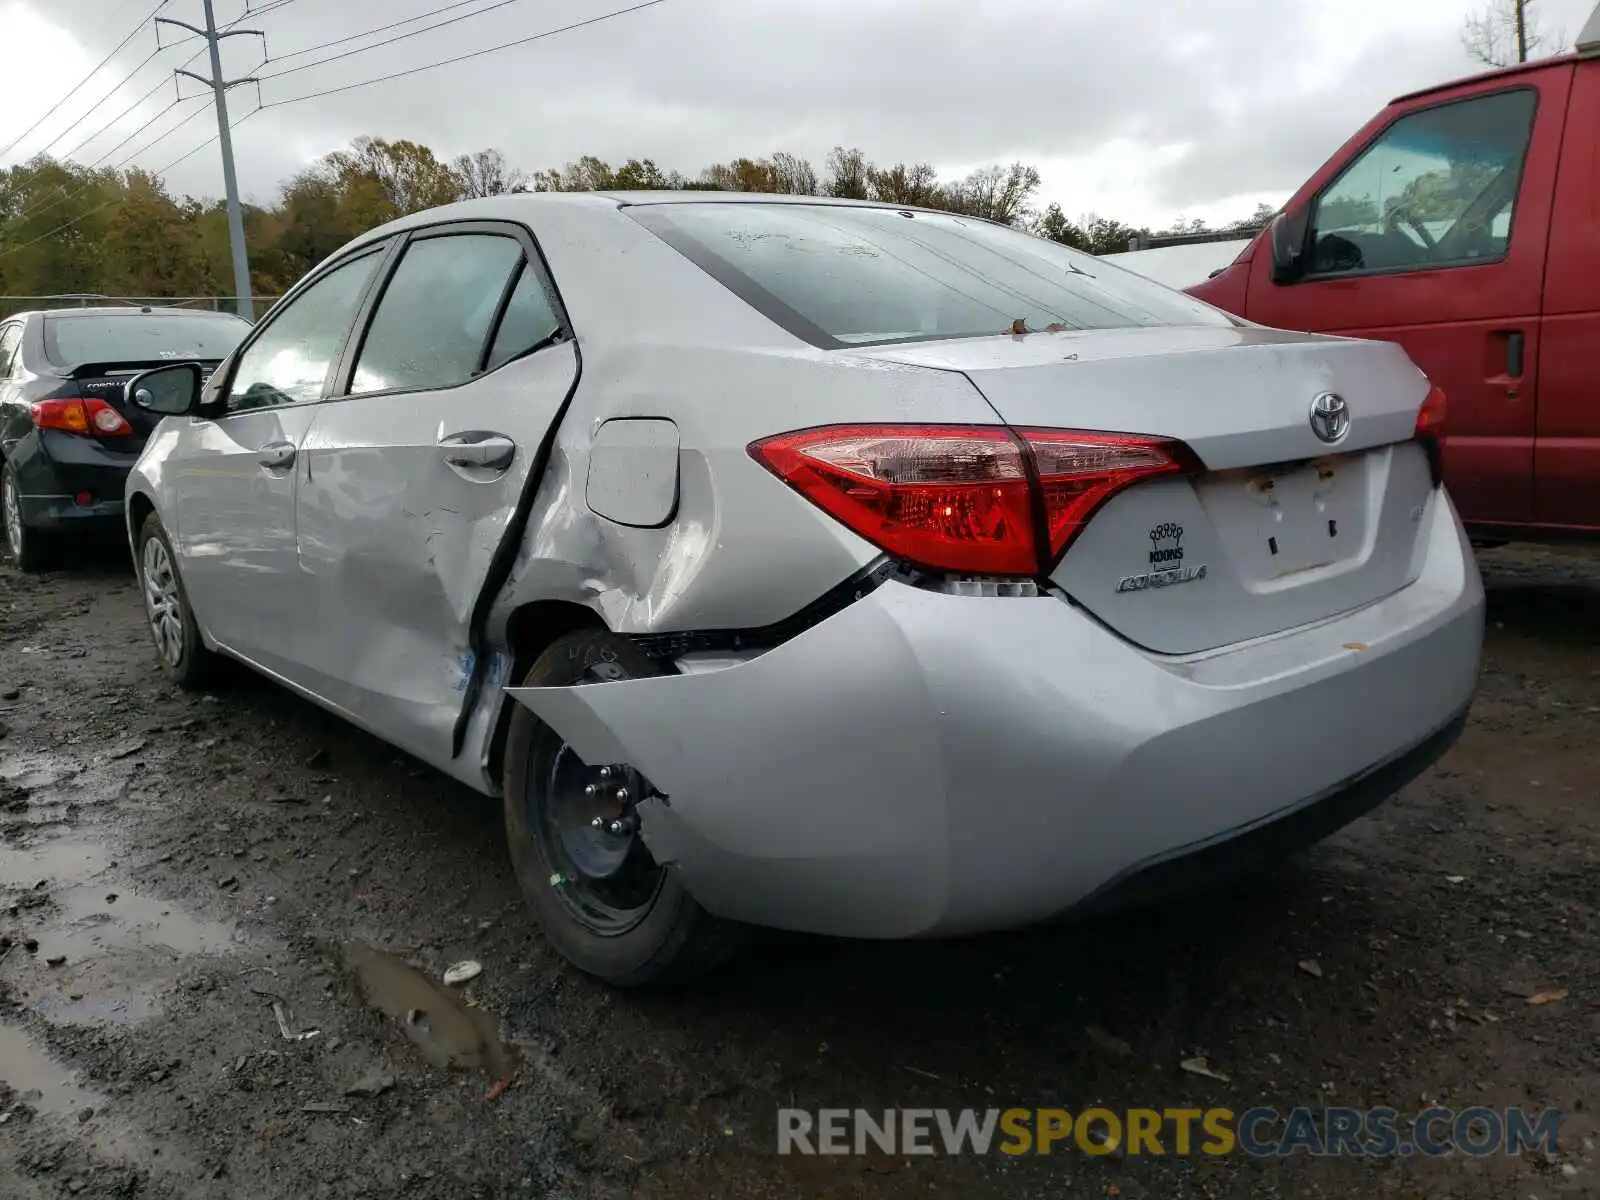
[(15, 533), (163, 602)]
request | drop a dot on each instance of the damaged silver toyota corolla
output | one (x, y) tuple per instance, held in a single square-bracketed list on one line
[(775, 574)]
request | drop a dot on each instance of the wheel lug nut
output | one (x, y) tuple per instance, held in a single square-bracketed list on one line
[(622, 795), (605, 772), (617, 828), (590, 790), (598, 823)]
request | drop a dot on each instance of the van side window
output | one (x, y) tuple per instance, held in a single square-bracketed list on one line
[(1437, 189)]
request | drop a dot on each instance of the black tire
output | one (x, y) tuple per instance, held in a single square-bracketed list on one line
[(672, 938), (182, 653), (27, 549)]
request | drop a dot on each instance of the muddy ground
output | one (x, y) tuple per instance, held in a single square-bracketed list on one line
[(177, 872)]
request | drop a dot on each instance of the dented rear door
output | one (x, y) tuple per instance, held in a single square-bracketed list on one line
[(412, 475)]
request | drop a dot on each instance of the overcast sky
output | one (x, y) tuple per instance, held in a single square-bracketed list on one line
[(1140, 109)]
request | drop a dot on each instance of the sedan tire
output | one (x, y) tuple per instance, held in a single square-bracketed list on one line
[(183, 654), (601, 900), (26, 548)]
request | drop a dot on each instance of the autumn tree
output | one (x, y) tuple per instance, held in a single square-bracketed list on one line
[(1504, 33), (848, 174), (1058, 227), (994, 193), (486, 173), (406, 176)]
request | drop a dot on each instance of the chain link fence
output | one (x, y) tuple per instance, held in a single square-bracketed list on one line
[(15, 304)]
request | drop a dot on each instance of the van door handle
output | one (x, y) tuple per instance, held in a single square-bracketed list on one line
[(478, 448), (276, 455), (1514, 349)]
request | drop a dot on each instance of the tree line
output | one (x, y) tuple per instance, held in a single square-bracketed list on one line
[(67, 228)]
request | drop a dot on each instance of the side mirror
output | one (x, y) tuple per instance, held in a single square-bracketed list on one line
[(171, 391), (1287, 236)]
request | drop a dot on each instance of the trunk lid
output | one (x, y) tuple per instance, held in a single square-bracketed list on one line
[(1280, 530)]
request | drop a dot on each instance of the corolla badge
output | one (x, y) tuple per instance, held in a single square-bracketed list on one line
[(1167, 566), (1330, 417)]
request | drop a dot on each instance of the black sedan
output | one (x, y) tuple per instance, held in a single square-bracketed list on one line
[(67, 438)]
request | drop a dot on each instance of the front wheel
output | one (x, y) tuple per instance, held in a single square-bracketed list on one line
[(573, 832), (184, 657)]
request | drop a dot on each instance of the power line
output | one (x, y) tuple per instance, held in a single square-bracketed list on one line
[(538, 37), (399, 37), (369, 32), (72, 91), (122, 83), (63, 198), (159, 84), (83, 216)]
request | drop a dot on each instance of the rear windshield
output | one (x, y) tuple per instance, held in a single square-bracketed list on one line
[(71, 341), (840, 276)]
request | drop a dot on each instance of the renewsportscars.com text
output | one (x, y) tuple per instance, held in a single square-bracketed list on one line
[(1258, 1132)]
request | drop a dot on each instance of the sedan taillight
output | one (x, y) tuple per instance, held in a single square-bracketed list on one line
[(1430, 429), (980, 500), (74, 415)]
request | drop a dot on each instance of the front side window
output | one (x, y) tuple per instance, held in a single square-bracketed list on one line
[(1438, 188), (839, 275), (290, 361), (433, 321)]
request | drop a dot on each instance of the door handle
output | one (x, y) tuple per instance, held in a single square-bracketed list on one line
[(1514, 349), (276, 455), (478, 448)]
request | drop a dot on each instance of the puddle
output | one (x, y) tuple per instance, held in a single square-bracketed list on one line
[(121, 948), (44, 1084), (448, 1032)]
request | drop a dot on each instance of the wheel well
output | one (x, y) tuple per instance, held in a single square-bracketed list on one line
[(530, 631), (140, 507)]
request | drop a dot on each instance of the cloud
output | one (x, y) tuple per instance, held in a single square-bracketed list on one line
[(1137, 107)]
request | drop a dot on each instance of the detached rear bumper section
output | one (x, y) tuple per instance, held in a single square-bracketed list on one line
[(922, 764)]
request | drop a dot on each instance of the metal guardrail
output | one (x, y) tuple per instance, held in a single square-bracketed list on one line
[(11, 304)]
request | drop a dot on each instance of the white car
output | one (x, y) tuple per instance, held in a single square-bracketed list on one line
[(869, 571)]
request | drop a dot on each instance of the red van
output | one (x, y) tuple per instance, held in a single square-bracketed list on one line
[(1464, 223)]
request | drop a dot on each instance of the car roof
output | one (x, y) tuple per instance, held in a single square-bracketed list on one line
[(1525, 68), (120, 310), (521, 205)]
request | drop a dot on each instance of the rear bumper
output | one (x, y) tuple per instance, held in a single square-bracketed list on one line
[(54, 469), (924, 764)]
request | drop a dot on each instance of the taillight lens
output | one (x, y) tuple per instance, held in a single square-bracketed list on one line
[(963, 498), (74, 415), (1430, 429)]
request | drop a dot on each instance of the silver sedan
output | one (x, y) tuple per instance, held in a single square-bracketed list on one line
[(836, 567)]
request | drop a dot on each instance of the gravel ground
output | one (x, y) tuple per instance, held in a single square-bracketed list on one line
[(192, 869)]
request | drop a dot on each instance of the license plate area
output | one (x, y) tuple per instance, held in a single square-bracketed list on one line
[(1288, 519)]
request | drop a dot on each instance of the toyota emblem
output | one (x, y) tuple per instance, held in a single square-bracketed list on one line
[(1330, 417)]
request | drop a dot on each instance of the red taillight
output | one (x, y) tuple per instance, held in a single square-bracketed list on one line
[(1430, 429), (965, 498), (75, 415)]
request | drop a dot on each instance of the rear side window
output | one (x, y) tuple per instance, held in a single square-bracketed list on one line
[(10, 338), (841, 276), (72, 341), (431, 326), (530, 320)]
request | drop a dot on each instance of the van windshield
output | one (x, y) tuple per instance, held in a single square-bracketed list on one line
[(839, 276)]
